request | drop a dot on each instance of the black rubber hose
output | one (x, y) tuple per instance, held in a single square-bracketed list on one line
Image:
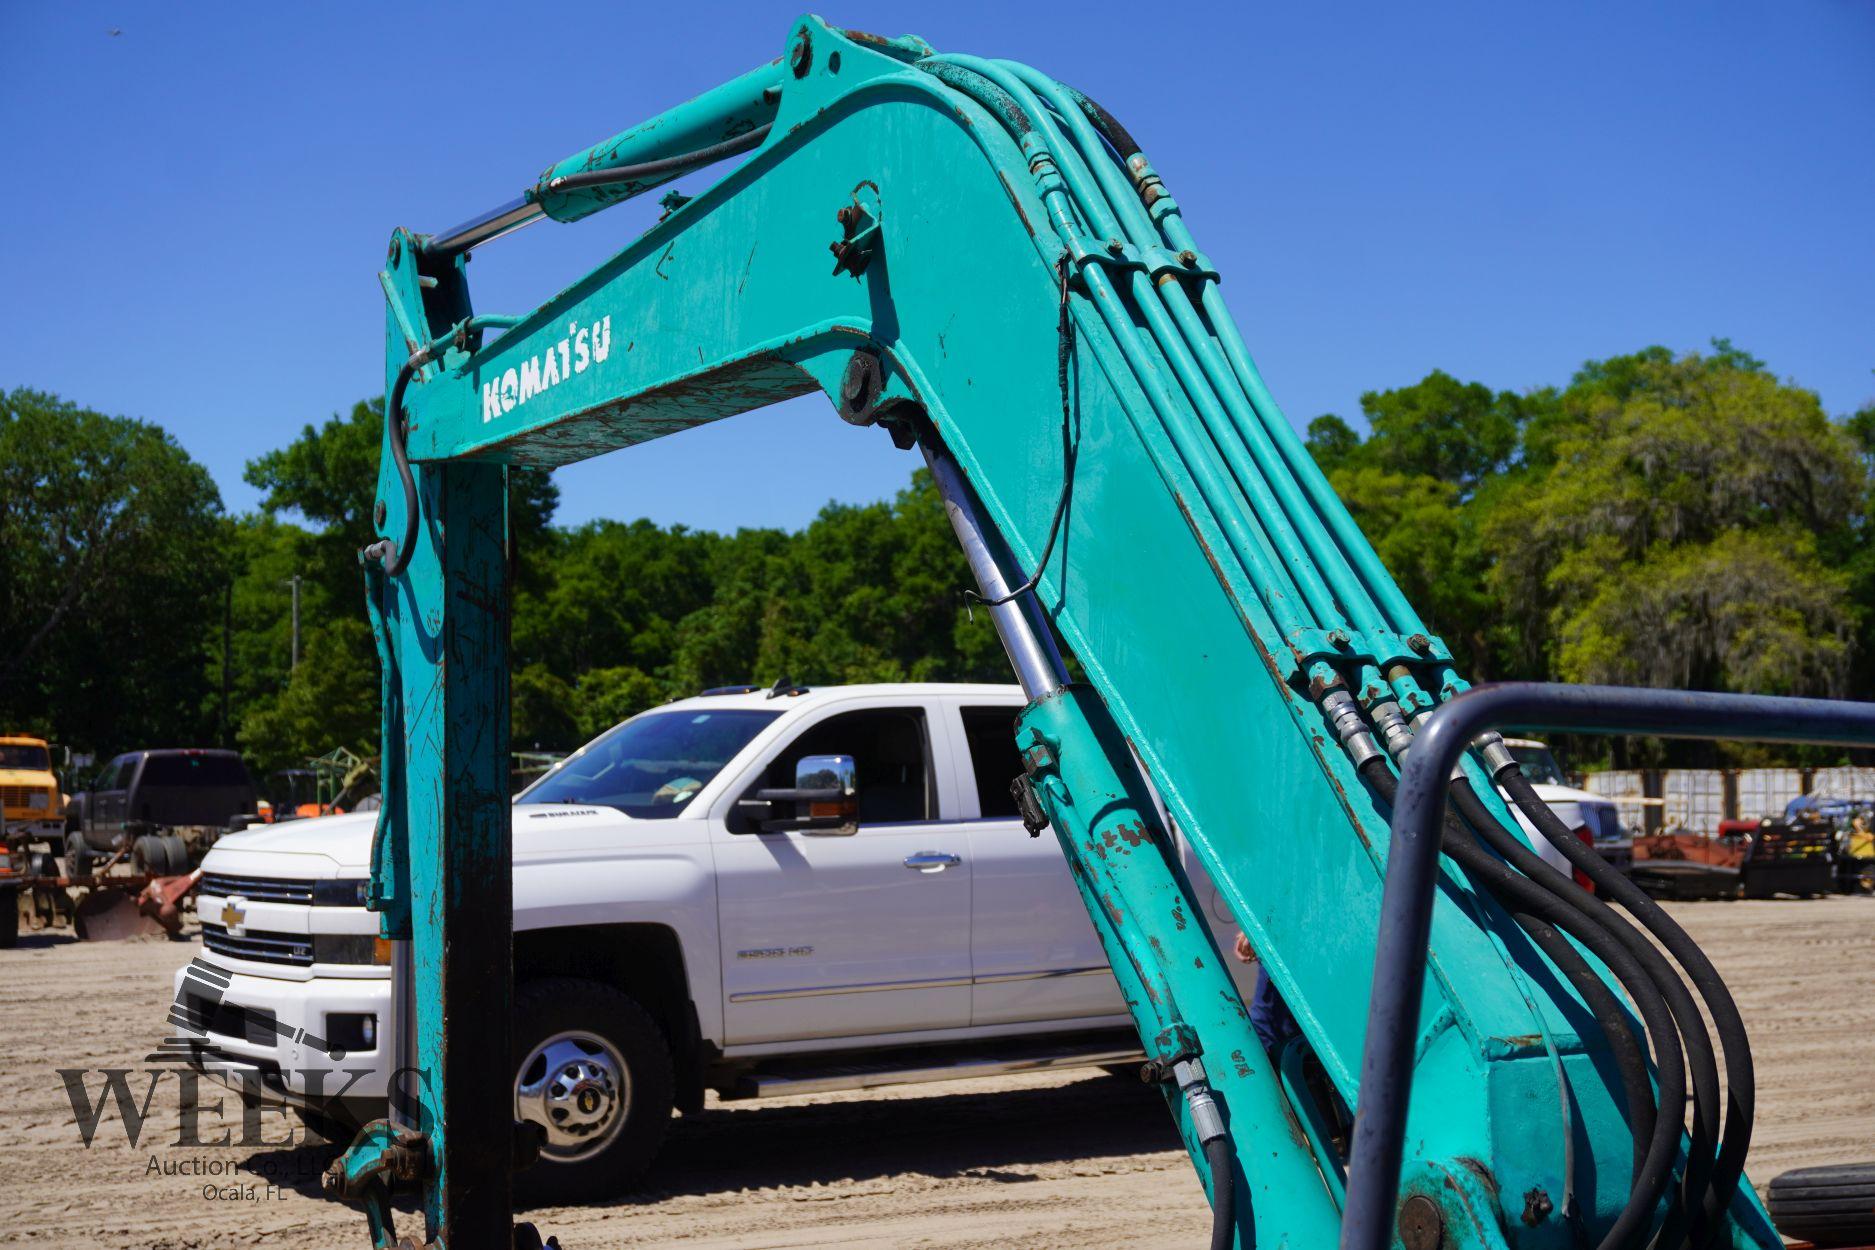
[(1701, 1059), (1740, 1079), (1518, 893), (398, 557), (663, 167), (1223, 1193), (1630, 1060), (1106, 123)]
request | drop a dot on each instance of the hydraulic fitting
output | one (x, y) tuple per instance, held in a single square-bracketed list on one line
[(1344, 713), (1394, 730)]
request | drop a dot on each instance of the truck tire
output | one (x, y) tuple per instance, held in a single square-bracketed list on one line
[(178, 854), (594, 1070), (152, 853), (1829, 1206), (9, 917), (78, 858)]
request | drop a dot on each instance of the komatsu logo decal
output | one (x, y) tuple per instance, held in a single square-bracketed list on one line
[(581, 349)]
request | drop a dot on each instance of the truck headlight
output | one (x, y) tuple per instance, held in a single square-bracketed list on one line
[(350, 948), (341, 892)]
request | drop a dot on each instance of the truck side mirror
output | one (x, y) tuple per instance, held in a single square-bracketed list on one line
[(825, 795)]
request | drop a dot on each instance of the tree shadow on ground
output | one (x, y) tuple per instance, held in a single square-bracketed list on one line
[(996, 1136), (992, 1136)]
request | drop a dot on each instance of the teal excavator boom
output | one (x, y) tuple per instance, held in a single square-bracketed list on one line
[(981, 262)]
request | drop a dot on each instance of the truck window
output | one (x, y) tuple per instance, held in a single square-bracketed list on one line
[(193, 771), (652, 765), (891, 754), (25, 758), (991, 733), (117, 775)]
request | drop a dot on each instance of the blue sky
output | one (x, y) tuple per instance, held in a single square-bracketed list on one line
[(196, 207)]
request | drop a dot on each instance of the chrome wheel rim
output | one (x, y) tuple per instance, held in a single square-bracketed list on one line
[(575, 1086)]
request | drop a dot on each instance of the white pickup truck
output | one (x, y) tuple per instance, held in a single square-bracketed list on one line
[(748, 892)]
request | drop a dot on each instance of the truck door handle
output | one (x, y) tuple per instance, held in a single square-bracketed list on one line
[(931, 861)]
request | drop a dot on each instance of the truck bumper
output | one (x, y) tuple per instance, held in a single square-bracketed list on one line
[(280, 1040)]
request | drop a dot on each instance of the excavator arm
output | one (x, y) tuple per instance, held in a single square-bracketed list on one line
[(982, 262)]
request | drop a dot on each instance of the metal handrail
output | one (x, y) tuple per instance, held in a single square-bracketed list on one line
[(1413, 870)]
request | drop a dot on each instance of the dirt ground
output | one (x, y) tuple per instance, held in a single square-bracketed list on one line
[(1039, 1161)]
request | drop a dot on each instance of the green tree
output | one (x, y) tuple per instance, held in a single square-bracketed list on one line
[(1332, 441), (1671, 528), (111, 554), (327, 477), (330, 700), (1427, 536), (1452, 431), (606, 696)]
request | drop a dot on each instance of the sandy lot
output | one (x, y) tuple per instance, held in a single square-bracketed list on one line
[(1045, 1161)]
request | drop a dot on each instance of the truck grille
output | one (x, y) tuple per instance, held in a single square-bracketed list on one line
[(267, 948), (26, 796), (260, 889)]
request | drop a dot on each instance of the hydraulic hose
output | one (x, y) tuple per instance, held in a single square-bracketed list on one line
[(1223, 1193), (1685, 1011), (396, 556), (1630, 1060), (1518, 894), (664, 167), (1741, 1084)]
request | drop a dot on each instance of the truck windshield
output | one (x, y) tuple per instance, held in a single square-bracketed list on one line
[(652, 764), (195, 769), (1538, 765), (30, 758)]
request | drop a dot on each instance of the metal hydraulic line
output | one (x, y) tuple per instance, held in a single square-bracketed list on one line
[(1327, 556), (1135, 225), (1264, 510), (1328, 505), (1280, 456), (1266, 579), (1164, 211)]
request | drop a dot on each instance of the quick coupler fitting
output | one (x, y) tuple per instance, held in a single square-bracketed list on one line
[(1394, 730), (1207, 1122), (1344, 713)]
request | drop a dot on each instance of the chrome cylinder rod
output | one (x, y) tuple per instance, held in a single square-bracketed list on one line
[(1025, 635), (490, 225)]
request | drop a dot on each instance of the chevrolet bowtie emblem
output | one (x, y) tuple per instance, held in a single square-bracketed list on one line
[(233, 914)]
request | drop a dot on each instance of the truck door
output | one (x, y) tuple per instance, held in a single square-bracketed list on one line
[(842, 936), (1033, 952), (106, 812)]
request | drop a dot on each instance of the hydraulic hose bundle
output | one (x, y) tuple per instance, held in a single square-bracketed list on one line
[(1295, 553)]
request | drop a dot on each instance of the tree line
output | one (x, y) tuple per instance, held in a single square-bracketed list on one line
[(1679, 520)]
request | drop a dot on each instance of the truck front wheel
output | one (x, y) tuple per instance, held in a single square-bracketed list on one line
[(594, 1071)]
